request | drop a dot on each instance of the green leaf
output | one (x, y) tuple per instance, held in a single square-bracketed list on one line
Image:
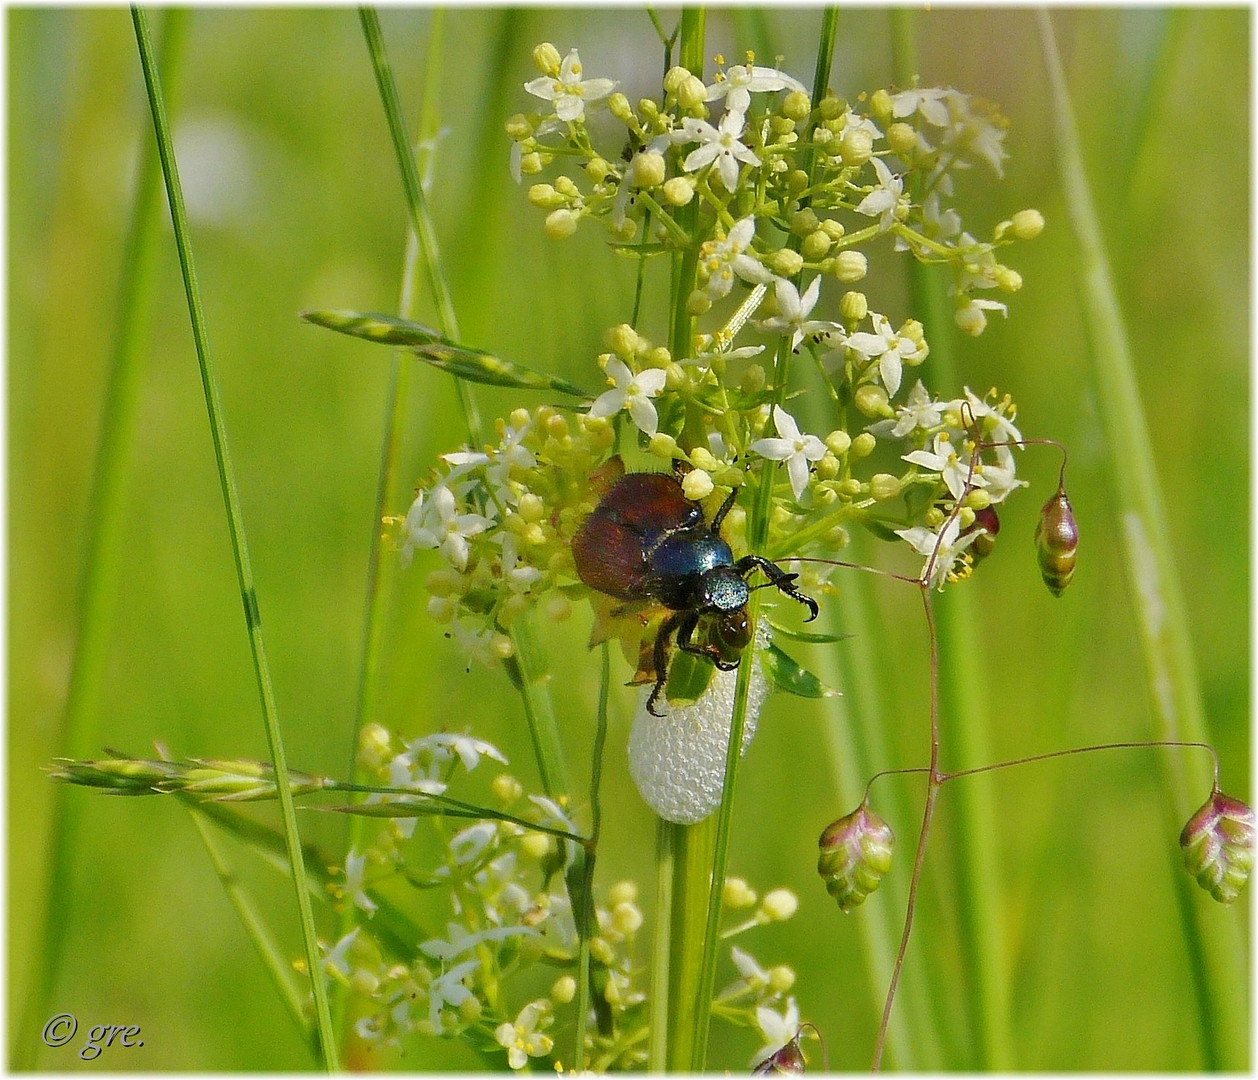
[(806, 636), (882, 529), (688, 677), (787, 675), (426, 343)]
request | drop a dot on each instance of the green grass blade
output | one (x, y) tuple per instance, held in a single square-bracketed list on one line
[(1216, 945), (235, 521), (417, 206), (103, 552)]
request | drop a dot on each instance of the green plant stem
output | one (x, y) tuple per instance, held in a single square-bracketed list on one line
[(79, 732), (963, 706), (757, 538), (235, 522), (417, 206), (1215, 945), (273, 958)]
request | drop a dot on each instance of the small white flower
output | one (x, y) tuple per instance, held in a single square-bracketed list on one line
[(520, 577), (889, 348), (442, 526), (945, 460), (970, 317), (793, 312), (739, 81), (568, 90), (459, 939), (442, 746), (448, 989), (632, 392), (552, 814), (720, 260), (884, 199), (795, 449), (929, 102), (335, 959), (466, 846), (920, 411), (721, 145), (943, 547), (355, 885), (777, 1028), (521, 1039), (753, 975)]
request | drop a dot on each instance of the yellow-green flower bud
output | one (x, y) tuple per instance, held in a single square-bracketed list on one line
[(737, 894), (597, 169), (674, 77), (547, 58), (871, 399), (855, 855), (506, 788), (663, 445), (601, 950), (1218, 846), (697, 484), (838, 442), (780, 904), (701, 458), (883, 486), (816, 245), (850, 266), (535, 845), (1057, 543), (557, 608), (374, 747), (618, 106), (863, 445), (440, 609), (658, 357), (648, 109), (565, 185), (833, 229), (797, 105), (563, 990), (853, 306), (1027, 224), (623, 340), (1009, 280), (501, 645), (856, 147), (781, 129), (531, 164), (804, 221), (545, 197), (831, 107), (649, 170), (519, 127), (849, 488), (977, 499), (625, 231), (698, 303), (786, 263), (623, 892), (691, 94), (627, 918), (965, 519), (901, 138), (880, 105), (532, 507), (753, 380), (781, 978), (796, 181), (679, 190), (827, 468)]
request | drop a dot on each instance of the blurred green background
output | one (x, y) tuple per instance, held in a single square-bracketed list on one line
[(296, 203)]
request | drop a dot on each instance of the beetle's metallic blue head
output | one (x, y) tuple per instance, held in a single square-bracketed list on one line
[(723, 589)]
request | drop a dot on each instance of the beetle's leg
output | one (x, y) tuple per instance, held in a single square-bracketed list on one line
[(676, 619), (726, 506), (779, 577), (708, 652)]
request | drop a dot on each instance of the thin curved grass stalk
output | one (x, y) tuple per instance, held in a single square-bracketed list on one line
[(102, 558), (1216, 952), (235, 521), (391, 440), (963, 711)]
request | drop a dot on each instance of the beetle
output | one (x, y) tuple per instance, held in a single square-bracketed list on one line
[(646, 541)]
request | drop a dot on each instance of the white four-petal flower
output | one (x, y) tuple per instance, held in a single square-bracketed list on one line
[(882, 201), (793, 312), (739, 81), (718, 144), (889, 348), (942, 547), (790, 446), (568, 90), (521, 1039), (945, 460), (721, 260), (632, 392)]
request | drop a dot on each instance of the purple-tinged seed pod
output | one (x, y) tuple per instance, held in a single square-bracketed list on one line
[(1057, 542), (855, 856), (1218, 845)]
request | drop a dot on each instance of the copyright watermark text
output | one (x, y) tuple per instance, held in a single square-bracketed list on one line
[(62, 1028)]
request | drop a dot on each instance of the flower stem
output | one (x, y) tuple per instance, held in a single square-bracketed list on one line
[(1217, 946), (235, 522)]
